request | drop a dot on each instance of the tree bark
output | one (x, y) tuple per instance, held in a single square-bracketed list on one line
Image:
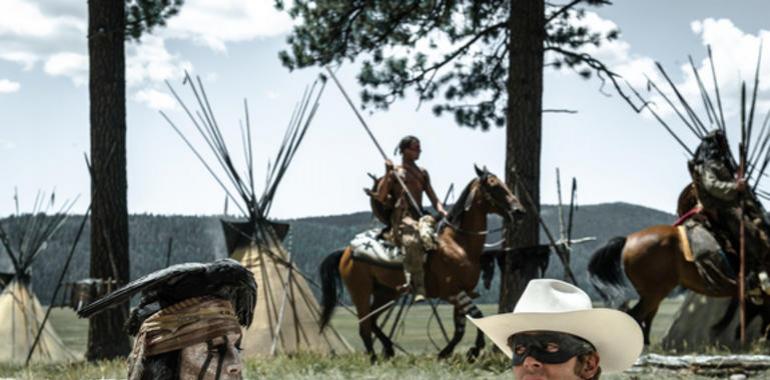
[(109, 216), (523, 133)]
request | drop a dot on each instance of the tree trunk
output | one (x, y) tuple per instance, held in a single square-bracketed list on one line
[(109, 216), (523, 137)]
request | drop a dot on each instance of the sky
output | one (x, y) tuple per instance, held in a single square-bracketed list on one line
[(616, 154)]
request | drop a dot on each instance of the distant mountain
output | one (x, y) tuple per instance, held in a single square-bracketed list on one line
[(199, 238)]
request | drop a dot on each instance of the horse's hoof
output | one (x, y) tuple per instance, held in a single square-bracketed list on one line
[(388, 353), (472, 354), (373, 359)]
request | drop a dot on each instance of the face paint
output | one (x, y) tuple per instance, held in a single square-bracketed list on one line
[(217, 359), (547, 347)]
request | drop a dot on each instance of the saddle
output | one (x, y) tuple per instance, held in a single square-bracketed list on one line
[(700, 247), (370, 247), (373, 247)]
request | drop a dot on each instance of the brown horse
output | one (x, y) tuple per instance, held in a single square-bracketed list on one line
[(653, 261), (451, 272)]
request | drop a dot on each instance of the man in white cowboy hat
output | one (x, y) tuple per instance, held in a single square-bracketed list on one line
[(555, 333)]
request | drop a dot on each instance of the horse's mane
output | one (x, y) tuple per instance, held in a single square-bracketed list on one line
[(458, 208)]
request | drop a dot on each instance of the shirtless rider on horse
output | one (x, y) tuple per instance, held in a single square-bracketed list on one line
[(403, 220)]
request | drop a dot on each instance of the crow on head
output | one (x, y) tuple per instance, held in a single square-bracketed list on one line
[(225, 278)]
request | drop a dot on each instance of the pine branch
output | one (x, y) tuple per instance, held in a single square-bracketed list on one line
[(601, 70)]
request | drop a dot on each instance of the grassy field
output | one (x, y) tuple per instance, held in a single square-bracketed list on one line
[(413, 335), (419, 363)]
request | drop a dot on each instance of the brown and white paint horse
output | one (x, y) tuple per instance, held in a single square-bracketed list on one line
[(451, 272)]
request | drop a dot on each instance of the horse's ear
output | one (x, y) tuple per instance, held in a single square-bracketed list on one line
[(486, 171), (479, 172)]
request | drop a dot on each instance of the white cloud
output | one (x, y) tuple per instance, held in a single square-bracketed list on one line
[(69, 64), (53, 32), (8, 86), (27, 60), (150, 62), (23, 18), (617, 54), (155, 99), (735, 57), (30, 32), (214, 23), (735, 52), (272, 95), (696, 26)]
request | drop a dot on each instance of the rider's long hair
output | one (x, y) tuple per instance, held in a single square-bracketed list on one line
[(405, 143)]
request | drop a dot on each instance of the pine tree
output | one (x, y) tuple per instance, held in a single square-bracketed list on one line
[(110, 23), (489, 74)]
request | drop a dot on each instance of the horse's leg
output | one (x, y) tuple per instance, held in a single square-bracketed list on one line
[(474, 351), (382, 295), (461, 302), (643, 312), (654, 265), (360, 286), (459, 319), (648, 323)]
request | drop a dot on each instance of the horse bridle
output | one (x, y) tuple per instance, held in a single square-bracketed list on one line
[(488, 198)]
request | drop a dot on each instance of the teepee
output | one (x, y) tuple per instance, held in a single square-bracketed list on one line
[(24, 239), (286, 318)]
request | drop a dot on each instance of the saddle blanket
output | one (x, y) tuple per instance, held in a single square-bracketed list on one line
[(699, 247), (367, 246)]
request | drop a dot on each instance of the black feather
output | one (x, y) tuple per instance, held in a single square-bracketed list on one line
[(226, 279)]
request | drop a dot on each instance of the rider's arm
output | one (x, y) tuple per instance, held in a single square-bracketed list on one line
[(383, 190), (724, 190), (432, 195)]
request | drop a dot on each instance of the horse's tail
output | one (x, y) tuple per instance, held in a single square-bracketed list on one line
[(605, 270), (330, 285)]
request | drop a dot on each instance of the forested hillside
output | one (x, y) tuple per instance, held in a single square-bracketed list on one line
[(199, 238)]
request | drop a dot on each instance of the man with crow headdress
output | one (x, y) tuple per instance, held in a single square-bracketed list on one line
[(726, 199), (188, 322)]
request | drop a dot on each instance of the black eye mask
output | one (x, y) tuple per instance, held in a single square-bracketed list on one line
[(536, 344)]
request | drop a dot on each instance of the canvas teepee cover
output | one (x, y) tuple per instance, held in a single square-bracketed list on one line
[(23, 238), (21, 316), (286, 318)]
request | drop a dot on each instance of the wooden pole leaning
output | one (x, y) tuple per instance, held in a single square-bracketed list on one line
[(412, 201), (742, 244)]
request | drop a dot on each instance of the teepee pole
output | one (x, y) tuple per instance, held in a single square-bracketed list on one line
[(310, 302), (58, 284), (299, 330), (562, 236), (409, 196), (283, 307), (742, 269), (267, 291)]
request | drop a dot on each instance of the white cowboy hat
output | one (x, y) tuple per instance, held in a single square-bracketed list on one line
[(555, 305)]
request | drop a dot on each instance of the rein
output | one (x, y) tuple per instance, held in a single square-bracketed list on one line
[(468, 232)]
